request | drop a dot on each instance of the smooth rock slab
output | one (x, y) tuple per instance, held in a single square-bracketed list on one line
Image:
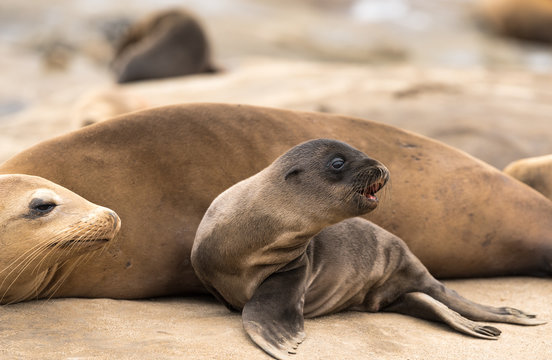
[(201, 328)]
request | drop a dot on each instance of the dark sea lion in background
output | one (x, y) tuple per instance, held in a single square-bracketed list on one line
[(267, 246), (45, 227), (160, 169), (535, 172), (521, 19), (166, 44)]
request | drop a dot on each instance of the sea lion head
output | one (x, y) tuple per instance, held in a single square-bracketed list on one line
[(43, 225), (331, 178)]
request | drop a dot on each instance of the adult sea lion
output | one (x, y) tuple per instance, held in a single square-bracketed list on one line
[(267, 246), (165, 44), (160, 169), (44, 227), (535, 172)]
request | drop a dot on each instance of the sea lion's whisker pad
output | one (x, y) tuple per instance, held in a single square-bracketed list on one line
[(89, 231), (280, 244), (67, 243)]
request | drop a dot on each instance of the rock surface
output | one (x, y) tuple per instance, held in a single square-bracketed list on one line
[(200, 328)]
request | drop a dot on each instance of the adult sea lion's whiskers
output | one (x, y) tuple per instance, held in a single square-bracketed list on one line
[(91, 233), (36, 251), (52, 246), (68, 239), (25, 254), (31, 255), (59, 282), (27, 257)]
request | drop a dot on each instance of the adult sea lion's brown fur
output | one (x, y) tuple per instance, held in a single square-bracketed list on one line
[(285, 243), (165, 44), (535, 172), (160, 169)]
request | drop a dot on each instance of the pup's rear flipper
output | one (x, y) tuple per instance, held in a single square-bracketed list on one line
[(479, 312), (424, 306)]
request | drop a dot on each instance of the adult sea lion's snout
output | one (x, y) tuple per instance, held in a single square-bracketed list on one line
[(92, 231), (116, 221)]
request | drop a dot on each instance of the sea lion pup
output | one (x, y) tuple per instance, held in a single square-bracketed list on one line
[(535, 172), (165, 44), (267, 246), (46, 231), (522, 19)]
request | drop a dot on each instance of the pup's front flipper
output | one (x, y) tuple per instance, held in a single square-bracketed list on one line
[(273, 317)]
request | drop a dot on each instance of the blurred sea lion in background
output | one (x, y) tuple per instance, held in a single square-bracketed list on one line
[(521, 19), (102, 105), (165, 44), (535, 172)]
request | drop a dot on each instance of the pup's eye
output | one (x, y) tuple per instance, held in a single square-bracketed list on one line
[(337, 163)]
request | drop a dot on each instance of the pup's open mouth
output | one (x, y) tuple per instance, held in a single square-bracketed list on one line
[(370, 191)]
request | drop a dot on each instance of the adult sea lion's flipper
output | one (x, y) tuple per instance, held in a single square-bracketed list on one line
[(273, 317), (424, 306)]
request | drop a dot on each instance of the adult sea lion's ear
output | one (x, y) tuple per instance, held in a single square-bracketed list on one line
[(273, 317), (296, 170)]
